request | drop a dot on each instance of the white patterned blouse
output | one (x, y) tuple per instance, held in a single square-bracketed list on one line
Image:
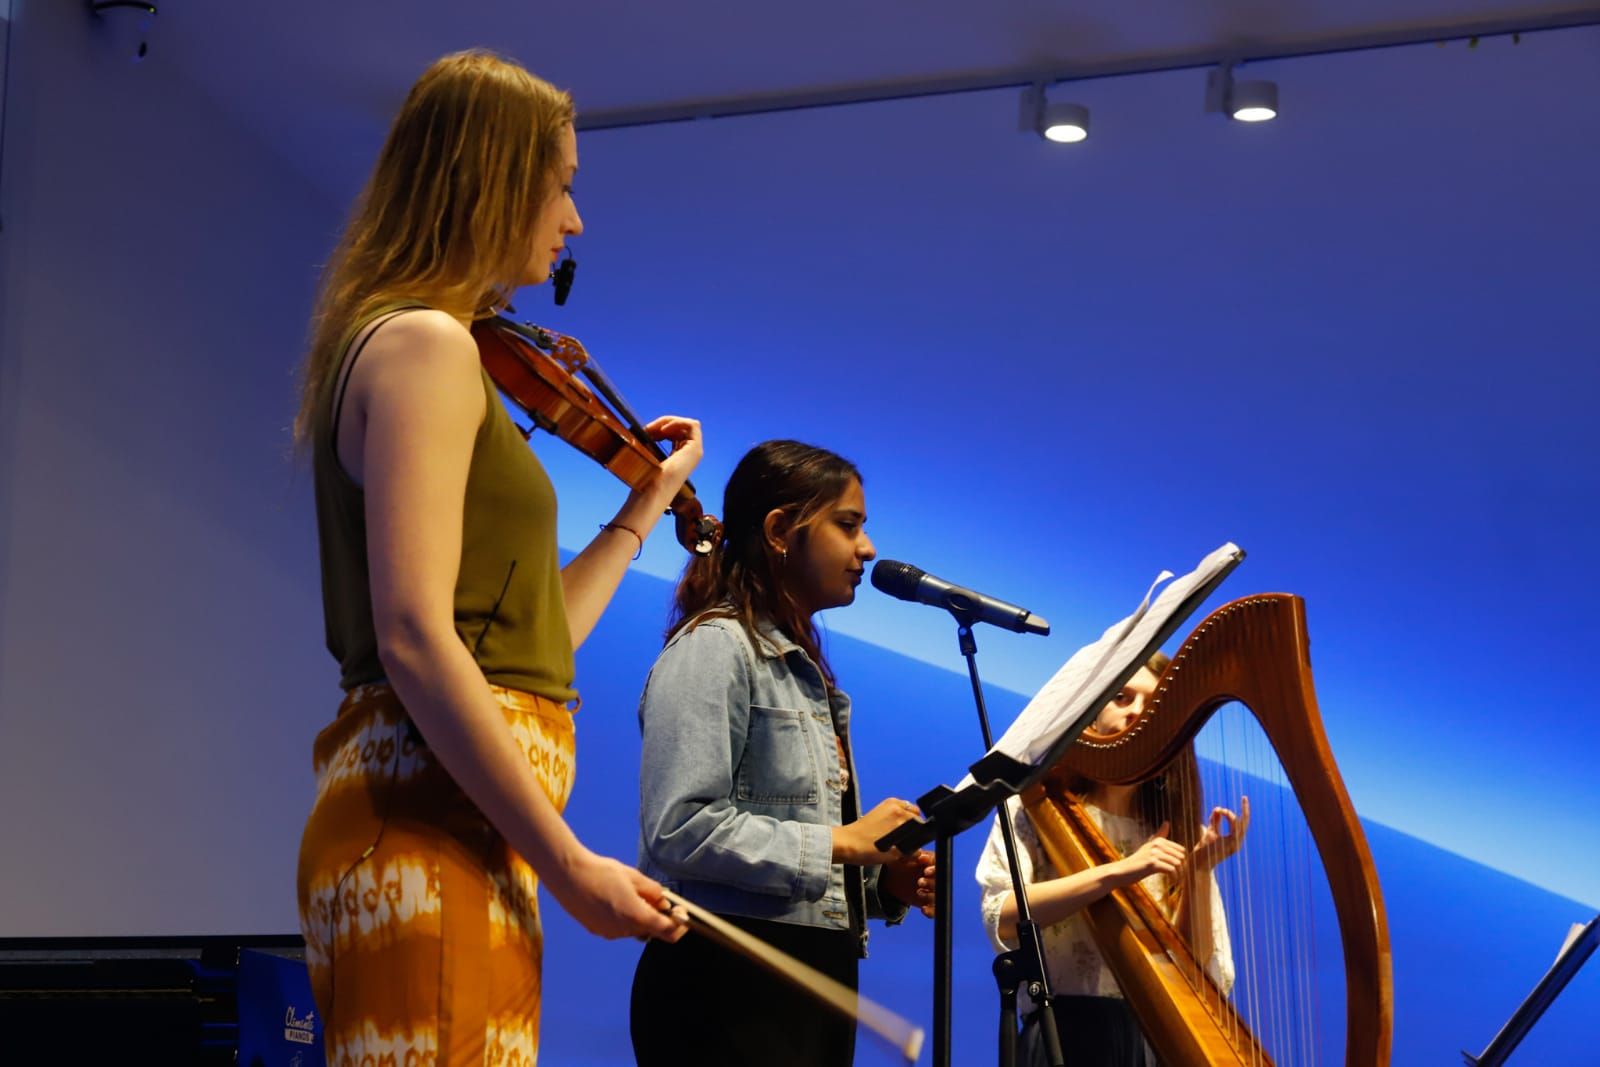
[(1071, 957)]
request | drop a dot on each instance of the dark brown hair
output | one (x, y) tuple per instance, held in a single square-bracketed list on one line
[(742, 577)]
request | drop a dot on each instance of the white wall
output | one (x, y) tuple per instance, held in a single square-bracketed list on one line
[(161, 670)]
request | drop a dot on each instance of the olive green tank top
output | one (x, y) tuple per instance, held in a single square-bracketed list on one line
[(509, 610)]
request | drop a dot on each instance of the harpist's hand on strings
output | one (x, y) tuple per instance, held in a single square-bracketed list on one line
[(1222, 836), (1159, 855)]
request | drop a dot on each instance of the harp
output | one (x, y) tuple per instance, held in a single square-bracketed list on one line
[(1255, 652)]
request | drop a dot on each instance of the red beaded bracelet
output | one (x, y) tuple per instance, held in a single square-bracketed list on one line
[(618, 526)]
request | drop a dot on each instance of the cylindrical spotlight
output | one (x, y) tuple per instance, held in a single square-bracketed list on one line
[(1253, 101), (1064, 123)]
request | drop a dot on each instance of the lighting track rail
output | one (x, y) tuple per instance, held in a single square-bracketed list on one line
[(1022, 78)]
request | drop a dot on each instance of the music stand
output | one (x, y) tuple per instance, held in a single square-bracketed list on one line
[(1573, 956), (1051, 722)]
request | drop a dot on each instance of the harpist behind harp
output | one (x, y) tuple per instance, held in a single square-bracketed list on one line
[(1205, 890)]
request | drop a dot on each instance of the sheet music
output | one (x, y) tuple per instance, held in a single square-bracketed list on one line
[(1071, 693), (1575, 951), (1577, 931)]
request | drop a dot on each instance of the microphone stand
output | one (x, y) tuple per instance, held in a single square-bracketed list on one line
[(1012, 969)]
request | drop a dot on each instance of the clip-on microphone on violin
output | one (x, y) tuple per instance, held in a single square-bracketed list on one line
[(561, 277)]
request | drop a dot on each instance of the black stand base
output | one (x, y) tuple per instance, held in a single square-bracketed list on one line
[(1022, 967)]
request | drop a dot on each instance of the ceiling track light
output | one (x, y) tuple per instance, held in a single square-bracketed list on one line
[(126, 24), (1243, 101), (1059, 121)]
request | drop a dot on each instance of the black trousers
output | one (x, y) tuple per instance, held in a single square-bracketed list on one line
[(696, 1002), (1095, 1032)]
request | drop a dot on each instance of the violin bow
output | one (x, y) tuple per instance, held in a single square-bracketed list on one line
[(901, 1034)]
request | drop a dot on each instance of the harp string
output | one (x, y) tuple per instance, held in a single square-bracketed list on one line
[(1263, 908), (1238, 898)]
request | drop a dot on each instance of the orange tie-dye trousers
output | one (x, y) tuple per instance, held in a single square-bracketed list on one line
[(421, 924)]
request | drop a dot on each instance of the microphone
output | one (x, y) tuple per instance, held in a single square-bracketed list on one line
[(561, 277), (906, 582)]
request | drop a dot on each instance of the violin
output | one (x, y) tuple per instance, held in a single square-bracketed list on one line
[(538, 369)]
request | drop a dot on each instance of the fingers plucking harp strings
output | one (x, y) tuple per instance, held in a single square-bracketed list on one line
[(899, 1032)]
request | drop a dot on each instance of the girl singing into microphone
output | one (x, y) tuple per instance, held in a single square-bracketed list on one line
[(749, 804)]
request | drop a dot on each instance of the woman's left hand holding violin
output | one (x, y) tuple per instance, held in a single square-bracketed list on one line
[(590, 578), (687, 448)]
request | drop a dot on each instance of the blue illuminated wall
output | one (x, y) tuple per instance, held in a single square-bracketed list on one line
[(1360, 342), (1468, 941)]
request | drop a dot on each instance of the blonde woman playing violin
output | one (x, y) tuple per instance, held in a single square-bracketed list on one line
[(441, 781)]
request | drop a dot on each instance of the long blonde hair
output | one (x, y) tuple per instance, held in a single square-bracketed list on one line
[(447, 215)]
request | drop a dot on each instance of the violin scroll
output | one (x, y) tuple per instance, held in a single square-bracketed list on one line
[(697, 531)]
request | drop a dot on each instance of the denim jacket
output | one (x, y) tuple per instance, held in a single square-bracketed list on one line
[(739, 784)]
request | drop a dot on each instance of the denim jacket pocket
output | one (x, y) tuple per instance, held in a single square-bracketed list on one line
[(779, 765)]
